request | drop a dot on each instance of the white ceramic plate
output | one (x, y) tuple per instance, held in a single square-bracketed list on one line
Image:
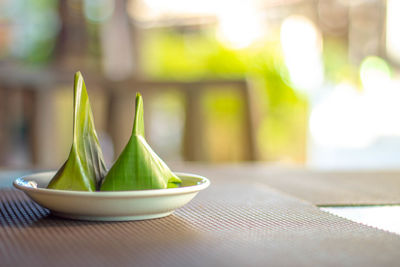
[(111, 206)]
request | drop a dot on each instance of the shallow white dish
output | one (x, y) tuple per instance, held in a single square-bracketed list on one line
[(111, 206)]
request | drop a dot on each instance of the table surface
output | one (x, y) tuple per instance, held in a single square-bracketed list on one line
[(251, 215)]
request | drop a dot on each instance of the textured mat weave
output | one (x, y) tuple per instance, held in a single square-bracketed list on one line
[(317, 187), (229, 224)]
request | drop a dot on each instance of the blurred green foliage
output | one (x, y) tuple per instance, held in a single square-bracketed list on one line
[(35, 25), (197, 54)]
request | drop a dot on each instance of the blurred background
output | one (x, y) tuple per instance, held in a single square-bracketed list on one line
[(302, 82)]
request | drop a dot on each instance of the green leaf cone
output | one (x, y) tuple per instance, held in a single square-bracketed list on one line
[(138, 167), (84, 169)]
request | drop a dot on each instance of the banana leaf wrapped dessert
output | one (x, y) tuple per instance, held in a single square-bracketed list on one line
[(138, 167), (84, 169)]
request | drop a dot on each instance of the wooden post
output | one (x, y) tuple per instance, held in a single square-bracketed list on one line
[(29, 114), (43, 137), (249, 122), (193, 148)]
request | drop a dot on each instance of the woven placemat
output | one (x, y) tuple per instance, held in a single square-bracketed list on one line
[(230, 224), (325, 188)]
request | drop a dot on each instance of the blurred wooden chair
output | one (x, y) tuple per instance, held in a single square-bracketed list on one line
[(193, 143)]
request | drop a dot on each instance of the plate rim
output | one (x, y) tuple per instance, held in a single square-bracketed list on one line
[(205, 182)]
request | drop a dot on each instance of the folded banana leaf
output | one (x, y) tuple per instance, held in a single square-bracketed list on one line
[(138, 167), (84, 169)]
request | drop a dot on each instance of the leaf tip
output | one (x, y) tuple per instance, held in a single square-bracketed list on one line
[(138, 126), (78, 75)]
